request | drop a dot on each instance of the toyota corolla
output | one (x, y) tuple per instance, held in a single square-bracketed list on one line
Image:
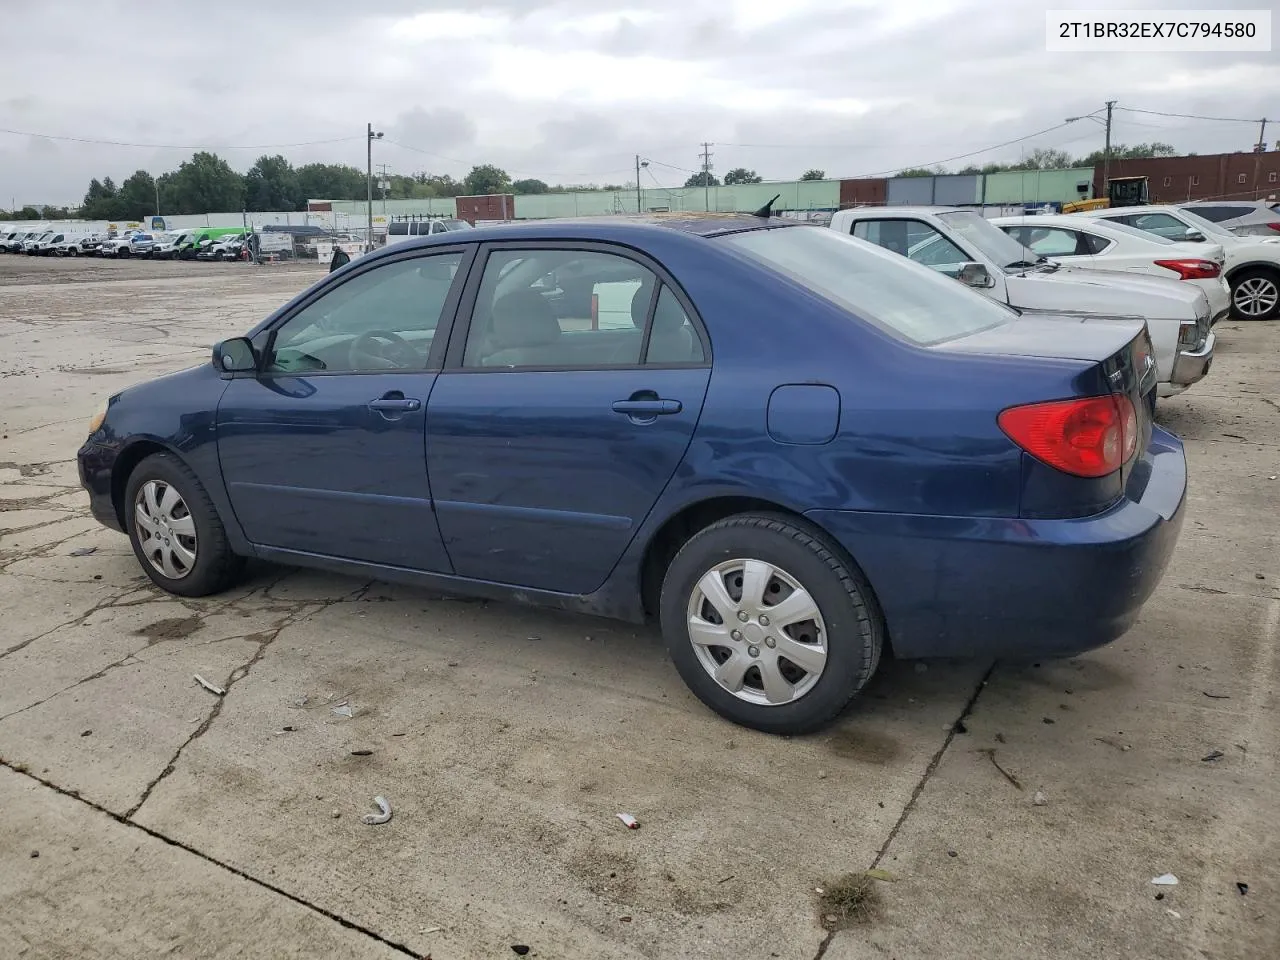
[(791, 449)]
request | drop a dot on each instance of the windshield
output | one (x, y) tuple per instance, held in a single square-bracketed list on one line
[(904, 298), (988, 238), (1207, 227)]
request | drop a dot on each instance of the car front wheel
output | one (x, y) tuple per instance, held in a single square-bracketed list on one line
[(1255, 294), (768, 624), (176, 533)]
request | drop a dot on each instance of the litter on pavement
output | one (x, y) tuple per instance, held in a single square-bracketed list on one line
[(373, 819), (208, 686), (1165, 880), (631, 822)]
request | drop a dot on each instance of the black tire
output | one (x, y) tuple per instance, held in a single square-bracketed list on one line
[(216, 567), (846, 604), (1256, 280), (124, 253), (72, 252)]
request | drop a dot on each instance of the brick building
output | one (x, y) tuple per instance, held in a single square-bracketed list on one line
[(1217, 176)]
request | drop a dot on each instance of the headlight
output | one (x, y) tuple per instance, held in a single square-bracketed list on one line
[(95, 424)]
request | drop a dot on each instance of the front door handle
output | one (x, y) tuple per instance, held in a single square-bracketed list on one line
[(395, 402), (647, 408)]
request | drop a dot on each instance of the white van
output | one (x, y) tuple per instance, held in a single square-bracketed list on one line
[(400, 229)]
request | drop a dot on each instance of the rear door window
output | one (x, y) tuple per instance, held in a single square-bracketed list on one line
[(915, 240)]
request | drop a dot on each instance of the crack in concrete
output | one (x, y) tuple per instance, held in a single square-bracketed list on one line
[(103, 604), (126, 821), (916, 792), (264, 638)]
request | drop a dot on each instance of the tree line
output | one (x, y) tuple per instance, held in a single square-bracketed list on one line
[(1047, 158), (206, 183)]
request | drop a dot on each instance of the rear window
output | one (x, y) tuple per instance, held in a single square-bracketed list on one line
[(903, 298), (1222, 212)]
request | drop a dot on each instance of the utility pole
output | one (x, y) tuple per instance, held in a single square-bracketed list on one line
[(157, 184), (1258, 151), (368, 246), (706, 176), (639, 199), (1106, 151)]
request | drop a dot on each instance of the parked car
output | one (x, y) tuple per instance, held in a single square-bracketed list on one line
[(171, 245), (405, 228), (803, 449), (227, 248), (1244, 218), (68, 244), (92, 244), (1104, 245), (961, 244), (31, 246), (1252, 266), (135, 244), (15, 241)]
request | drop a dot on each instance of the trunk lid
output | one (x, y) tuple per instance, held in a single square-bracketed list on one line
[(1117, 350), (1072, 290)]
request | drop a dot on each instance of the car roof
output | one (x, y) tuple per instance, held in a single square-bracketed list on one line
[(615, 228), (1149, 208), (1252, 204), (907, 210), (1061, 219)]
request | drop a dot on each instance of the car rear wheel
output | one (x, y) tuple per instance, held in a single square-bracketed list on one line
[(176, 533), (768, 624), (72, 252), (1255, 294)]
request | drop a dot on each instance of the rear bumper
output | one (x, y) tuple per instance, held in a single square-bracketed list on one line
[(965, 587), (1190, 367)]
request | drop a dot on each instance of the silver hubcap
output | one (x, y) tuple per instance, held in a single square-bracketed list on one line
[(757, 632), (165, 528), (1256, 296)]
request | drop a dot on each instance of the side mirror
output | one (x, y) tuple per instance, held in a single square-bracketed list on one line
[(235, 356), (1194, 236), (975, 275)]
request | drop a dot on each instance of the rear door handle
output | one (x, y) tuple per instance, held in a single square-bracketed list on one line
[(647, 408)]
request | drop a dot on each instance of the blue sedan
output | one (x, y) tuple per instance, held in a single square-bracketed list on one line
[(791, 449)]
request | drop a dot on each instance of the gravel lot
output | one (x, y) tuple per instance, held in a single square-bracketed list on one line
[(144, 816)]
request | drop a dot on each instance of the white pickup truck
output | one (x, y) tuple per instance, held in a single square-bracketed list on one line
[(961, 244)]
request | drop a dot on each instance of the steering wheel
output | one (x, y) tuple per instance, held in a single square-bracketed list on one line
[(382, 350)]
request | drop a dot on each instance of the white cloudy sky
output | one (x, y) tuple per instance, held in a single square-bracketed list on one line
[(571, 90)]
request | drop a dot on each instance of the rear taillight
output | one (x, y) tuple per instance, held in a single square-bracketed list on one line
[(1192, 269), (1089, 437), (1274, 226)]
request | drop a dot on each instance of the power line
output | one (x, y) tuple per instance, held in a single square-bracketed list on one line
[(963, 156), (671, 166), (464, 163), (173, 146), (1189, 116)]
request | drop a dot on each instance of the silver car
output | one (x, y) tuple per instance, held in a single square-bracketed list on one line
[(1245, 218)]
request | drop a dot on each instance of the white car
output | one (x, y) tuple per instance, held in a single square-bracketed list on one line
[(70, 245), (1252, 264), (963, 245), (1107, 245), (34, 242)]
